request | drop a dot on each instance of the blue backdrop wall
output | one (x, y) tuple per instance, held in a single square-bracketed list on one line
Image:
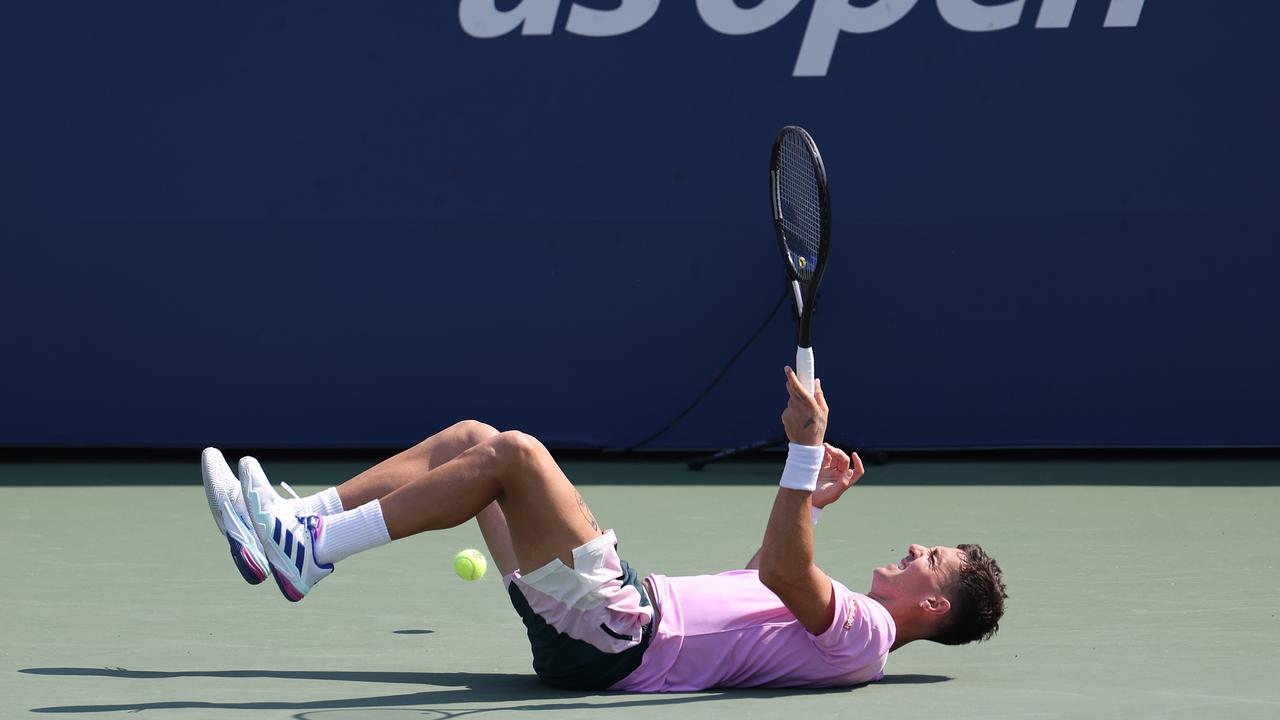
[(319, 223)]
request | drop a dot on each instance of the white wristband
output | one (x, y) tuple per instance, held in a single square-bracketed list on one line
[(803, 464), (814, 514)]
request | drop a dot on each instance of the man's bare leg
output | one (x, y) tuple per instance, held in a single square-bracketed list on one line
[(544, 513), (545, 517), (497, 537), (411, 464), (415, 462)]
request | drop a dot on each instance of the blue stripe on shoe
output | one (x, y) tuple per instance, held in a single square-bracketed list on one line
[(275, 536), (302, 553), (288, 544)]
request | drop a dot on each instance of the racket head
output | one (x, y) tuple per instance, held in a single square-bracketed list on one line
[(801, 213)]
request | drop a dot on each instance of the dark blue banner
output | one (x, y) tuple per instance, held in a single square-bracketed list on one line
[(351, 224)]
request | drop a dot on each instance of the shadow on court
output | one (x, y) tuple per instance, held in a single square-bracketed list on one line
[(472, 688)]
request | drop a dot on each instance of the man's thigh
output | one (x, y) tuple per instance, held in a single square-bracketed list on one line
[(546, 515)]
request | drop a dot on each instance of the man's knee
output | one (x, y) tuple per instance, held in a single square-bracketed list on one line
[(452, 441), (517, 449), (470, 433)]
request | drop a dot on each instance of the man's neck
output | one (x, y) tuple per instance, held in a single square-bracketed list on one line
[(899, 641), (903, 631)]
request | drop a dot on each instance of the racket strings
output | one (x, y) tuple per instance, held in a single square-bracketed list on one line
[(799, 202)]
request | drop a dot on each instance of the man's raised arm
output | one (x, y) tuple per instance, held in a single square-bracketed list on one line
[(839, 472), (786, 557)]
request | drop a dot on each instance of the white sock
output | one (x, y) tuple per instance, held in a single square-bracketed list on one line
[(350, 532), (325, 502)]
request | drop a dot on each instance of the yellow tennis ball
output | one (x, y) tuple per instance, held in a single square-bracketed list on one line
[(470, 564)]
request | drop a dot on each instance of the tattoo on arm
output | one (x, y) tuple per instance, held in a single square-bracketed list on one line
[(586, 513), (813, 420)]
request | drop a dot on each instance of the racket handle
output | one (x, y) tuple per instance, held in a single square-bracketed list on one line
[(804, 367)]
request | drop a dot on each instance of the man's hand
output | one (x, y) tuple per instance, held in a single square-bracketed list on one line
[(839, 473), (805, 418)]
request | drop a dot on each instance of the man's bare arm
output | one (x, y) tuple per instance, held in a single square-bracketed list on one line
[(786, 556), (786, 562), (839, 473)]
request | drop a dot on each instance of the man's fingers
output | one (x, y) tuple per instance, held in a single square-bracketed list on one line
[(836, 459), (795, 388), (793, 382), (857, 467)]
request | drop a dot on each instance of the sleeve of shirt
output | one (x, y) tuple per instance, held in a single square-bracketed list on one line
[(860, 625)]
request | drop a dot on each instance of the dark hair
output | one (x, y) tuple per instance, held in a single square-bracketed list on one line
[(977, 596)]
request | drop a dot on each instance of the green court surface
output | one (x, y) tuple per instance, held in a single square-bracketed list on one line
[(1137, 589)]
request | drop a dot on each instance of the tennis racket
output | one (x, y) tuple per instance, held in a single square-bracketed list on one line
[(802, 222)]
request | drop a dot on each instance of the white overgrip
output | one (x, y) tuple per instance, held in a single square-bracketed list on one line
[(804, 367)]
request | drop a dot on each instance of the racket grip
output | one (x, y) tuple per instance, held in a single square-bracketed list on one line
[(804, 367)]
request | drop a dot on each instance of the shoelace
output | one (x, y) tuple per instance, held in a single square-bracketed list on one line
[(295, 495)]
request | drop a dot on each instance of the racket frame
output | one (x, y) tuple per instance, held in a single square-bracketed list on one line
[(804, 290)]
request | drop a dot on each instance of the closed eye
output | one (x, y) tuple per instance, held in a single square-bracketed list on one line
[(933, 558)]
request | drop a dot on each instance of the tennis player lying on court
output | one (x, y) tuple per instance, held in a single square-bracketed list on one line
[(592, 623)]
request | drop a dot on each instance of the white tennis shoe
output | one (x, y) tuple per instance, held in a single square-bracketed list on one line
[(226, 503), (289, 540)]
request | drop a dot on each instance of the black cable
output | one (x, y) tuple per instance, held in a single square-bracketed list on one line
[(716, 380)]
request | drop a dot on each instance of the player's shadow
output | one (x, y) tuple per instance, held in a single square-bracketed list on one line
[(470, 688)]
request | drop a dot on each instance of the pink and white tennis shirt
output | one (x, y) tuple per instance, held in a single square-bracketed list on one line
[(729, 630)]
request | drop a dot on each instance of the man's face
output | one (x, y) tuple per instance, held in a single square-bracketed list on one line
[(919, 575)]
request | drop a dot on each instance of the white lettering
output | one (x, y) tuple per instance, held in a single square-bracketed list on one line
[(724, 16), (1120, 13), (830, 18), (1055, 14), (969, 15), (827, 19), (483, 19), (1123, 13), (629, 15)]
